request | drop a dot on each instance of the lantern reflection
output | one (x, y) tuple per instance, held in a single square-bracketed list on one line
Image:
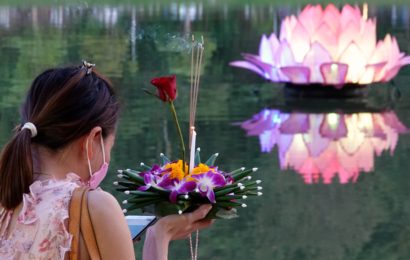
[(323, 146)]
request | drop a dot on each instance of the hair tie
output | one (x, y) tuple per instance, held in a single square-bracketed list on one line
[(30, 126), (88, 66)]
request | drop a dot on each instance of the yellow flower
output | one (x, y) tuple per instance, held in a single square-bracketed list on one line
[(176, 170), (189, 178), (202, 168)]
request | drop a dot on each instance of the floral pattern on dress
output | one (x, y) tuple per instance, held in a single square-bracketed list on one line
[(40, 231)]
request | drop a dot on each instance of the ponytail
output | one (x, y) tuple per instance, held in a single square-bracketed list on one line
[(16, 169), (65, 104)]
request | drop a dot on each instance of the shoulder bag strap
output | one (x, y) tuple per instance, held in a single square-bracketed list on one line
[(74, 221), (87, 229)]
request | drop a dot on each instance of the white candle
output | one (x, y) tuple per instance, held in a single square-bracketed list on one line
[(192, 155)]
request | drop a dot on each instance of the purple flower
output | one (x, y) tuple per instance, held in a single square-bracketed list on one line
[(152, 180), (207, 182), (155, 170), (180, 187)]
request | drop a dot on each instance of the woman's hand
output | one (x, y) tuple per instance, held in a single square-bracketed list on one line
[(173, 227), (176, 227)]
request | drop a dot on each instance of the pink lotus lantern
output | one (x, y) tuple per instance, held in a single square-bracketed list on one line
[(327, 47), (322, 146)]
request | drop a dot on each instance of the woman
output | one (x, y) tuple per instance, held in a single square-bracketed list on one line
[(68, 128)]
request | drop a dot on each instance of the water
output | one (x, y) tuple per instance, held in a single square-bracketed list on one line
[(366, 218)]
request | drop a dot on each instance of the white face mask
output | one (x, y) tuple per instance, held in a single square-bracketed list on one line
[(97, 177)]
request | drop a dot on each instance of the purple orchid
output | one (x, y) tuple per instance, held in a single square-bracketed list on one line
[(152, 180), (155, 170), (180, 187), (207, 182)]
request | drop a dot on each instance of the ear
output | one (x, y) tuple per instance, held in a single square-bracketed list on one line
[(90, 139)]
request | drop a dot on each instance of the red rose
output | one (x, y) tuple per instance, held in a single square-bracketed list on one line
[(166, 87)]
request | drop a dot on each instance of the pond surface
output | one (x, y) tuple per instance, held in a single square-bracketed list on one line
[(350, 204)]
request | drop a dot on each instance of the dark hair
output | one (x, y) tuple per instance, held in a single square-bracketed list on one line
[(64, 104)]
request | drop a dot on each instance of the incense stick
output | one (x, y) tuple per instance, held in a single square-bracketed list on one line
[(197, 52), (196, 64), (191, 88)]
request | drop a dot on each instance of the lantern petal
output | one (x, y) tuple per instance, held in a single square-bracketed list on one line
[(287, 26), (356, 60), (334, 73), (391, 119), (311, 17), (300, 42), (299, 75), (296, 123), (373, 72), (350, 14), (333, 126), (331, 17), (314, 141), (274, 43), (316, 55), (265, 51), (284, 56), (249, 66)]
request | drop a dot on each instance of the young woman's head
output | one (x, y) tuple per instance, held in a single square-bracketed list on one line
[(66, 106)]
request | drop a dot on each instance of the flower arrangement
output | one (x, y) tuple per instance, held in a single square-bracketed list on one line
[(322, 146), (174, 187), (168, 189), (327, 47)]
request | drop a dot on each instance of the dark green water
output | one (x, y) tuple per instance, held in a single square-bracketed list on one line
[(368, 219)]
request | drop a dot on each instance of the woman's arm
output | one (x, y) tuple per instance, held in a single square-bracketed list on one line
[(111, 230), (173, 227)]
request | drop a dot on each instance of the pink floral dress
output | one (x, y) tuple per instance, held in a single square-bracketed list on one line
[(40, 231)]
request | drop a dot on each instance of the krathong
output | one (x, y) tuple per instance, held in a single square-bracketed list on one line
[(177, 186), (325, 145), (327, 47), (166, 189)]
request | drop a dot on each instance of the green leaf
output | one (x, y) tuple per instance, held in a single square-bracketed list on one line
[(224, 191), (228, 204), (211, 161), (145, 203), (229, 198), (241, 175), (233, 185), (145, 167), (131, 208), (133, 176), (198, 156), (237, 171), (128, 184), (143, 193), (159, 190), (165, 208), (165, 159)]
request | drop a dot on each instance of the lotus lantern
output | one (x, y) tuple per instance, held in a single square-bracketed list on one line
[(327, 47)]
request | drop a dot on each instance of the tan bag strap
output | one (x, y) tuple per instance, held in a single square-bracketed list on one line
[(87, 230), (80, 224), (74, 221)]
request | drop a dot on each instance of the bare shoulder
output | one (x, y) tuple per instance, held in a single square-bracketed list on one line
[(104, 209), (100, 201)]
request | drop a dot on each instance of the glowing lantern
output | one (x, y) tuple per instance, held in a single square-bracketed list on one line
[(328, 47), (322, 146)]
